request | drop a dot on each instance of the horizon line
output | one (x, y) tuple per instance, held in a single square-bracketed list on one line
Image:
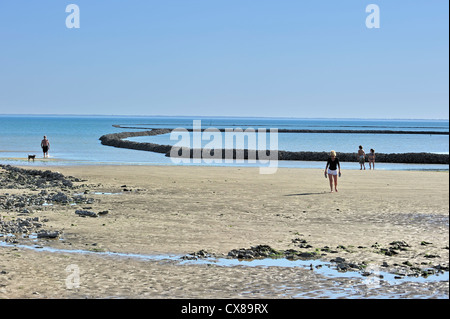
[(222, 116)]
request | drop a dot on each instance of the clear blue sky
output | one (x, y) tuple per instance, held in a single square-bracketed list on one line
[(286, 58)]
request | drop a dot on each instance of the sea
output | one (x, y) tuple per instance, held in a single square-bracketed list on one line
[(74, 140)]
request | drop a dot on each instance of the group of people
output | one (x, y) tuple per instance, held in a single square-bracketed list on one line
[(333, 167), (362, 158)]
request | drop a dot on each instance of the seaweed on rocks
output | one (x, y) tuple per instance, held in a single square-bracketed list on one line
[(20, 178)]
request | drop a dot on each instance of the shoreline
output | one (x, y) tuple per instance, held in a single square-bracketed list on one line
[(53, 162), (181, 210)]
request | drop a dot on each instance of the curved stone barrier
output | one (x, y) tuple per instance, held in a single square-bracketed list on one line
[(118, 140), (311, 131)]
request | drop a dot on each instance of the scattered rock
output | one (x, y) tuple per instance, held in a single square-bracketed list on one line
[(48, 234), (261, 251), (197, 255), (399, 245), (302, 242), (20, 226), (86, 213), (15, 177)]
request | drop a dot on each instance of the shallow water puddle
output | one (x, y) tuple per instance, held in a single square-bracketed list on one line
[(319, 267), (103, 193), (316, 266), (97, 193)]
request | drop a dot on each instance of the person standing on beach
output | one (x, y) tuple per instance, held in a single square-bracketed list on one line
[(331, 169), (371, 158), (361, 158), (45, 144)]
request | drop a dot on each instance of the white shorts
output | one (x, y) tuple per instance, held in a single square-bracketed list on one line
[(332, 172)]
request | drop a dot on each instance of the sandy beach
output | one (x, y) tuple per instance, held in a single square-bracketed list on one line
[(387, 220)]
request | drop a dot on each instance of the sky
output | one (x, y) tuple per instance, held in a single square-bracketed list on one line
[(257, 58)]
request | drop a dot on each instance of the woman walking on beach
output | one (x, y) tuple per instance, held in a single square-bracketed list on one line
[(361, 158), (371, 158), (331, 169), (45, 144)]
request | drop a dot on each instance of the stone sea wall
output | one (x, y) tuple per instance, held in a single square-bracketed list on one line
[(119, 140)]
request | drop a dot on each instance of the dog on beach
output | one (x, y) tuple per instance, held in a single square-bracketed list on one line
[(31, 157)]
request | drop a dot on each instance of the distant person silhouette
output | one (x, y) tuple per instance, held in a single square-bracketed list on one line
[(371, 158), (361, 157), (45, 144)]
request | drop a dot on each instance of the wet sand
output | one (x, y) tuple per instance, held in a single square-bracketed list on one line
[(179, 210)]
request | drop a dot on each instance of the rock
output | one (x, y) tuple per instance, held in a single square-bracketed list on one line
[(60, 198), (338, 260), (389, 252), (342, 267), (308, 255), (431, 256), (196, 255), (24, 178), (399, 245), (299, 241), (441, 267), (48, 234), (261, 251), (86, 213)]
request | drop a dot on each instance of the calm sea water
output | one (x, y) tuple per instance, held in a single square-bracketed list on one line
[(75, 139)]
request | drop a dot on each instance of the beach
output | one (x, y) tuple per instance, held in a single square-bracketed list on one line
[(391, 221)]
